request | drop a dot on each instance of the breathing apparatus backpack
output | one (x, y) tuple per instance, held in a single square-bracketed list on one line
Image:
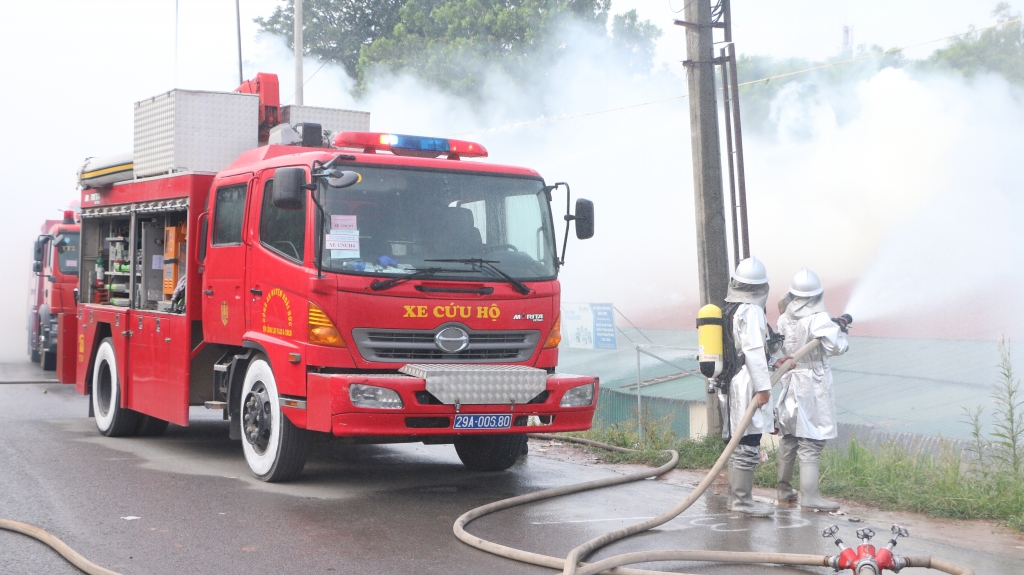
[(717, 348), (719, 360)]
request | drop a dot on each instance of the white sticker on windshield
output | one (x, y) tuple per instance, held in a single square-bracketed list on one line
[(344, 244), (71, 263), (347, 223)]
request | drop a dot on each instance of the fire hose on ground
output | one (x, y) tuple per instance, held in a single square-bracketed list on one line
[(862, 560), (57, 545)]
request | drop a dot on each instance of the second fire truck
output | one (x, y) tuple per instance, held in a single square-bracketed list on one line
[(51, 321)]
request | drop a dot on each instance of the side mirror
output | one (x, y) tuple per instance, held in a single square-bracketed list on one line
[(289, 190), (584, 219), (37, 267), (342, 179), (40, 248)]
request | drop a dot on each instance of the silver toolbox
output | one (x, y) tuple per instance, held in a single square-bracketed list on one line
[(185, 130), (330, 119)]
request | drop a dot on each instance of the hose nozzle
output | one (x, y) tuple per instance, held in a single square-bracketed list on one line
[(844, 322)]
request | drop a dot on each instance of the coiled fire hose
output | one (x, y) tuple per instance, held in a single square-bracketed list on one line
[(572, 565)]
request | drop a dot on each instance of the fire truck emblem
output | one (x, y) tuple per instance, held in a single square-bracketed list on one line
[(224, 312), (452, 339)]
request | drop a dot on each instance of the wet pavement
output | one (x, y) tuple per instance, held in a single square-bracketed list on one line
[(185, 503)]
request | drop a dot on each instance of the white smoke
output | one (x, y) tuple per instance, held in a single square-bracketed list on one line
[(905, 183), (900, 181)]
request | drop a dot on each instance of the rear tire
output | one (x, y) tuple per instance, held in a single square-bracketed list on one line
[(112, 420), (490, 452), (274, 448), (150, 426)]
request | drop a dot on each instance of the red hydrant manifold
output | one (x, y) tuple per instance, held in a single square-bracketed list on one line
[(866, 559)]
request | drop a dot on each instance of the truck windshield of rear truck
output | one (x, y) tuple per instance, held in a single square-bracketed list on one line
[(67, 253), (395, 221)]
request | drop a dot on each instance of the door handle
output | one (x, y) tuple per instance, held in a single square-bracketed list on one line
[(208, 291), (256, 292)]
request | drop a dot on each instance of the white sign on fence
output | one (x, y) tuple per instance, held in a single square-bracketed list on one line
[(588, 325)]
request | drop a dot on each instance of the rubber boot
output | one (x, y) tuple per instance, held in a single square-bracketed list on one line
[(810, 497), (787, 496), (741, 498)]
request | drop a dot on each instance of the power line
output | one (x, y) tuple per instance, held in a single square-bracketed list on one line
[(769, 78)]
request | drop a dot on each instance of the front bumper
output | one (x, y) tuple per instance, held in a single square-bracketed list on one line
[(329, 409)]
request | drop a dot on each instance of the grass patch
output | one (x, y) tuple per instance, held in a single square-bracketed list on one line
[(989, 484), (698, 453)]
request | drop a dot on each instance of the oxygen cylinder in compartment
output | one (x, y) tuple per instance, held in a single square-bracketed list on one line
[(174, 256)]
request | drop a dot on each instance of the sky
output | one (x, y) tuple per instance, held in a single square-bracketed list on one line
[(73, 74)]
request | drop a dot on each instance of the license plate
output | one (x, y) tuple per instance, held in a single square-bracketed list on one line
[(483, 421)]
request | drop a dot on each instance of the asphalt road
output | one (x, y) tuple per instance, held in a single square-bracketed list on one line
[(185, 503)]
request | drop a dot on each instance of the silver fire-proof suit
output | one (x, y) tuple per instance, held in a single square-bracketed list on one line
[(749, 332), (806, 405)]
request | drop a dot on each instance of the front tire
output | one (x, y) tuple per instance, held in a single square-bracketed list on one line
[(112, 420), (274, 448), (490, 452), (46, 359)]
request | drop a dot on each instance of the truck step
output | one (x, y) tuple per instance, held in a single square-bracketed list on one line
[(216, 405)]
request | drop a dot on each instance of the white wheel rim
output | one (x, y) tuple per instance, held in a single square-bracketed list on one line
[(261, 464), (104, 356)]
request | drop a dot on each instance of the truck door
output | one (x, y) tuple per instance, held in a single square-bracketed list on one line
[(224, 267), (278, 272)]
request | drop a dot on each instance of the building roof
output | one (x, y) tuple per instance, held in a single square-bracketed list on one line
[(919, 386)]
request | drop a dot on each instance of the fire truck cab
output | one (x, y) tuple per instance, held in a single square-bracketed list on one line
[(372, 286), (51, 322)]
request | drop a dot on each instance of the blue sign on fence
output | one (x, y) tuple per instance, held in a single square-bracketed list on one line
[(588, 325)]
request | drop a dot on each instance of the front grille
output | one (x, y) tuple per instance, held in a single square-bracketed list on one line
[(438, 355), (393, 346)]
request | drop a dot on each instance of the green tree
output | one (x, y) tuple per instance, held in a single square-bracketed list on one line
[(335, 30), (455, 44), (999, 50), (636, 38)]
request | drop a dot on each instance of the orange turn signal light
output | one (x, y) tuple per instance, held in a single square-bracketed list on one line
[(555, 337), (322, 330)]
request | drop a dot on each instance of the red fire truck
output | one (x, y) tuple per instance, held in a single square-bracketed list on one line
[(51, 321), (374, 286)]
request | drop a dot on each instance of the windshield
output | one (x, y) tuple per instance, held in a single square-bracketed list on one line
[(395, 221), (67, 253)]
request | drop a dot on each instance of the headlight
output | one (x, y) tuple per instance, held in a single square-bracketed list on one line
[(579, 396), (373, 396)]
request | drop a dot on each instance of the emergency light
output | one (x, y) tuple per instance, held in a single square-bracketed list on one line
[(404, 145)]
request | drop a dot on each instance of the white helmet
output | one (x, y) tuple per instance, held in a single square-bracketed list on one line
[(805, 284), (751, 271)]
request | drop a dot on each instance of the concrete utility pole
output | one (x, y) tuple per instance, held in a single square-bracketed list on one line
[(712, 249), (238, 29), (298, 52)]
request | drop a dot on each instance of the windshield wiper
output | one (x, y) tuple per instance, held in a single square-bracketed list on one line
[(380, 285), (489, 266)]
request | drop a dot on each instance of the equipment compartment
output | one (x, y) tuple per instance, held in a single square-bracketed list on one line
[(133, 259)]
